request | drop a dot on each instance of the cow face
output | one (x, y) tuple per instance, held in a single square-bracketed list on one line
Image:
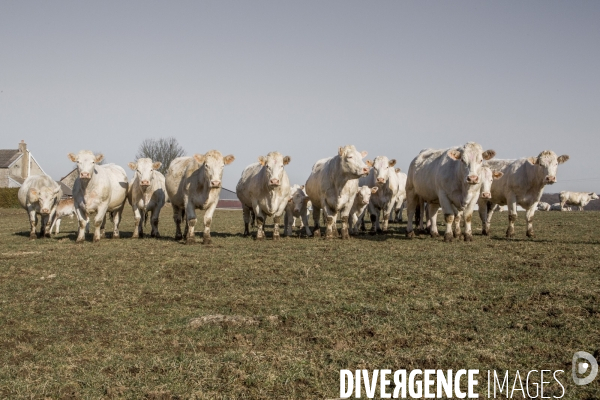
[(86, 163), (382, 168), (471, 155), (273, 164), (144, 171), (351, 161), (364, 194), (487, 177), (213, 163), (548, 162), (593, 196), (299, 199), (45, 197)]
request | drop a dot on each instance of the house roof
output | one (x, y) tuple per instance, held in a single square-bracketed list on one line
[(7, 157), (67, 191), (73, 170)]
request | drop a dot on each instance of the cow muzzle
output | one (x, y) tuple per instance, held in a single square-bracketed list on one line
[(274, 182), (84, 175), (365, 171), (549, 180), (215, 184), (145, 183), (380, 180), (44, 211), (472, 179), (486, 195)]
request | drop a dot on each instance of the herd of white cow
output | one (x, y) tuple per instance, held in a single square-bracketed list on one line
[(342, 187)]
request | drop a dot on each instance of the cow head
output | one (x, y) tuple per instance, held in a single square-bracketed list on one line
[(45, 197), (86, 163), (382, 168), (214, 162), (351, 161), (471, 155), (299, 199), (273, 164), (364, 194), (487, 177), (593, 196), (144, 171), (548, 162)]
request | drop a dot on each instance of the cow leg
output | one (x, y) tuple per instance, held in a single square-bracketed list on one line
[(345, 215), (529, 218), (82, 219), (329, 215), (260, 221), (99, 221), (177, 219), (316, 217), (190, 212), (483, 211), (457, 219), (412, 202), (432, 218), (276, 222), (304, 215), (117, 220), (512, 215), (289, 222), (206, 239), (468, 217), (137, 217), (448, 210), (32, 223), (388, 213), (399, 209), (246, 215)]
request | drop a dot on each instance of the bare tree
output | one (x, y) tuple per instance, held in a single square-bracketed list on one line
[(163, 150)]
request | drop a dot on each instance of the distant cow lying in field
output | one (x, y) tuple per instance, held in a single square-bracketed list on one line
[(577, 199), (558, 207), (543, 206)]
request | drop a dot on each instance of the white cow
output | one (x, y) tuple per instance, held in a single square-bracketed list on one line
[(383, 176), (297, 207), (558, 207), (449, 178), (577, 199), (522, 184), (147, 194), (98, 189), (65, 208), (195, 183), (542, 206), (264, 189), (39, 194), (399, 202), (331, 187), (359, 207)]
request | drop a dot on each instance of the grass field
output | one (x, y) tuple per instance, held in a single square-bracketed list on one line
[(114, 319)]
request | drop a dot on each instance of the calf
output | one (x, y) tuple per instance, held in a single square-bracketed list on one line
[(98, 189), (147, 194), (195, 183), (577, 199), (65, 208), (449, 178), (297, 207), (40, 195), (399, 202), (522, 184), (331, 187), (264, 189), (383, 176), (359, 207)]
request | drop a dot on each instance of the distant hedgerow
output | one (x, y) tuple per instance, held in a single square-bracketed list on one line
[(8, 198)]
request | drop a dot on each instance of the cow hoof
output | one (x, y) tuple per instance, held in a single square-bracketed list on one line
[(410, 234), (116, 236), (456, 235), (510, 235), (260, 237), (79, 241), (206, 240), (275, 237), (434, 235), (157, 235), (32, 236), (178, 236), (468, 237), (317, 233), (448, 237), (190, 240), (485, 232), (380, 231), (530, 234), (96, 239)]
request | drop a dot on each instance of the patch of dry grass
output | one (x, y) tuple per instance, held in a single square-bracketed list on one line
[(280, 319)]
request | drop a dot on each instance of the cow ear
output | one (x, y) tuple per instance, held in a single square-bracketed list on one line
[(262, 160), (341, 151), (200, 158), (454, 154), (392, 162), (301, 187), (228, 159), (374, 189), (363, 154), (532, 160), (562, 159), (489, 154), (33, 195), (99, 157), (497, 174), (286, 160), (156, 165), (132, 166), (369, 163), (72, 157), (397, 170)]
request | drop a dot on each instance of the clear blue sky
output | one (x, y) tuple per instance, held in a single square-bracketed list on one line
[(303, 78)]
